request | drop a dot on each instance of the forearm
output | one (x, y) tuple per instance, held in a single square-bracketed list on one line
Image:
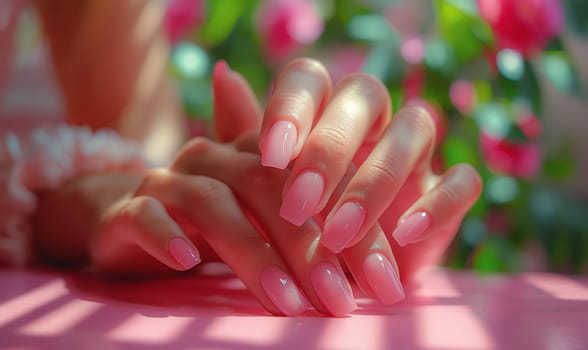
[(110, 58), (66, 219)]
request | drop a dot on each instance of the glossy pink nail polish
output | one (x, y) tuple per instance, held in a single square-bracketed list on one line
[(383, 278), (343, 226), (332, 289), (411, 228), (302, 198), (279, 145), (282, 291), (184, 254)]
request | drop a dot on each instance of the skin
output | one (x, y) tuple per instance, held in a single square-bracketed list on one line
[(216, 196), (130, 219)]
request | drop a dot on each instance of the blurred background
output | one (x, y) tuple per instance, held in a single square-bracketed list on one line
[(505, 80)]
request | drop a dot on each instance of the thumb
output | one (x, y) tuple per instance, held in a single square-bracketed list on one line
[(236, 109)]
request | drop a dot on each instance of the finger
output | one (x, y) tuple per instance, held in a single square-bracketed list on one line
[(371, 261), (405, 145), (317, 270), (143, 221), (445, 204), (329, 150), (236, 109), (223, 225), (374, 268), (301, 88), (248, 142)]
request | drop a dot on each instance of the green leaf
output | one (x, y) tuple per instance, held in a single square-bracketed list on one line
[(385, 63), (558, 69), (372, 27), (518, 82), (462, 28), (488, 258), (440, 57), (456, 151), (576, 12), (560, 165), (222, 16)]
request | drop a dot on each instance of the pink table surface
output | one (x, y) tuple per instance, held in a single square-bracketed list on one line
[(451, 310)]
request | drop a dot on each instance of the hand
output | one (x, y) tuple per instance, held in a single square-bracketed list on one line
[(354, 164), (282, 248), (173, 208)]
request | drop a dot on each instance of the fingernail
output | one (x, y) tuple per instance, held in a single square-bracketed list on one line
[(343, 226), (220, 68), (332, 289), (279, 145), (184, 254), (383, 279), (282, 291), (302, 197), (411, 228)]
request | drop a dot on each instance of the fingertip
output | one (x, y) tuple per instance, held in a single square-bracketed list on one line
[(278, 145), (221, 68), (412, 228)]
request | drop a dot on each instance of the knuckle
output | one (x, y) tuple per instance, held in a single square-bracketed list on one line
[(450, 194), (385, 170), (466, 173), (190, 154), (141, 206), (198, 145), (364, 84), (418, 121), (207, 190), (154, 177), (330, 142), (308, 65), (291, 99)]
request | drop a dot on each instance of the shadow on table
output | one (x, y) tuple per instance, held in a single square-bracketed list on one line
[(51, 310)]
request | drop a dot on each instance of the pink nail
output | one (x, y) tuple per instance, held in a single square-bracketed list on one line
[(411, 228), (332, 289), (302, 197), (343, 226), (282, 291), (279, 145), (184, 254), (383, 279)]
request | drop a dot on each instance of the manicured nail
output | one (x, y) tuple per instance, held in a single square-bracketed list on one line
[(343, 226), (220, 68), (282, 291), (332, 289), (302, 197), (184, 254), (383, 279), (411, 228), (279, 144)]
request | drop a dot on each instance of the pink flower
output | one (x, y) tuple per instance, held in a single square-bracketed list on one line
[(288, 25), (463, 95), (343, 61), (412, 49), (523, 25), (516, 159), (414, 82), (182, 16), (529, 124)]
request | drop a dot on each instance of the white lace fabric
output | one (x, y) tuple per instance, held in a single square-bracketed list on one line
[(43, 159)]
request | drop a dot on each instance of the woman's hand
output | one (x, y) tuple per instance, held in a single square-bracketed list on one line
[(354, 164)]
